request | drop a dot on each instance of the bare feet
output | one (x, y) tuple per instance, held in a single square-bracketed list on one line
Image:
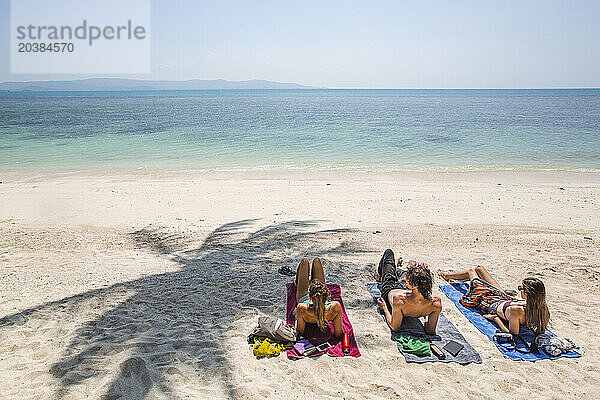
[(399, 262), (443, 274)]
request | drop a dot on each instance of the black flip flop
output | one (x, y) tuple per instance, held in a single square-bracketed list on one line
[(286, 271)]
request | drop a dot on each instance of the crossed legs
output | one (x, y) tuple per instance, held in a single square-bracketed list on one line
[(469, 274)]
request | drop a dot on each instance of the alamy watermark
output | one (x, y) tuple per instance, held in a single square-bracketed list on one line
[(67, 36)]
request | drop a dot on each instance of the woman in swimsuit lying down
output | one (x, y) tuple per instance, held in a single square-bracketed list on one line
[(313, 295), (486, 295)]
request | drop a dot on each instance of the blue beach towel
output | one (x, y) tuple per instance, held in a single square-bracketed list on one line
[(455, 291), (445, 332)]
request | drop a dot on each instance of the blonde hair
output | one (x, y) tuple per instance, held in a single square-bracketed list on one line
[(537, 315), (319, 294)]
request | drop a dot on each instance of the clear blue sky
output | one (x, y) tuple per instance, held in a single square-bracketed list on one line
[(370, 44)]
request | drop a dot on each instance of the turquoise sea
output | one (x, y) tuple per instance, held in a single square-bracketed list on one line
[(496, 128)]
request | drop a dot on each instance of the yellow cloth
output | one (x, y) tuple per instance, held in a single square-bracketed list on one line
[(265, 347)]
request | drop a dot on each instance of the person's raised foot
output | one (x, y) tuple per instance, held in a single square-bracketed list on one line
[(399, 262)]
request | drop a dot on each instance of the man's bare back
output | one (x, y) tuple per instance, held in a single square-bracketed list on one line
[(411, 302)]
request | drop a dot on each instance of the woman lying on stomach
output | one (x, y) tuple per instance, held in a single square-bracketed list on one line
[(486, 295), (313, 295)]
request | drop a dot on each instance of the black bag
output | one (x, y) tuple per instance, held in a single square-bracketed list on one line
[(515, 342)]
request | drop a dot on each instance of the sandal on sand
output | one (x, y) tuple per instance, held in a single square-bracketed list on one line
[(286, 271)]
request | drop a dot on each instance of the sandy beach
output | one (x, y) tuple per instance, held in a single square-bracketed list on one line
[(145, 284)]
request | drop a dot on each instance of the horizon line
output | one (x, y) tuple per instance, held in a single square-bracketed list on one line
[(315, 88), (307, 86)]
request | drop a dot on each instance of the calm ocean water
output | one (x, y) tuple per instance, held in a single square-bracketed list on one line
[(301, 128)]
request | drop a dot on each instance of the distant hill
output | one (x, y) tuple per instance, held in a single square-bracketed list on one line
[(140, 84)]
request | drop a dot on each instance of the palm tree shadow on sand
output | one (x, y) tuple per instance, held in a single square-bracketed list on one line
[(177, 318)]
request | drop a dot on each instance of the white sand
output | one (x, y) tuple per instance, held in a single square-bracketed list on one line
[(145, 284)]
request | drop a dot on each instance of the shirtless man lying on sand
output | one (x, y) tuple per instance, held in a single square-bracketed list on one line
[(397, 302)]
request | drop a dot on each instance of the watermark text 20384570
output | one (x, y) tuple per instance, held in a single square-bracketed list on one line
[(52, 47), (80, 37)]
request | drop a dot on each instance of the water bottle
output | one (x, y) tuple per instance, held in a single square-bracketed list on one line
[(346, 344)]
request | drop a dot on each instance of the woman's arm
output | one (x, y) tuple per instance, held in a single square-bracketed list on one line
[(515, 316), (338, 329), (498, 322), (300, 319)]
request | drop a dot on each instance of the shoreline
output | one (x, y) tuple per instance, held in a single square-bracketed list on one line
[(523, 176)]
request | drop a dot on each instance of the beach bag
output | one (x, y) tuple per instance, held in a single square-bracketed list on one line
[(274, 328), (554, 345)]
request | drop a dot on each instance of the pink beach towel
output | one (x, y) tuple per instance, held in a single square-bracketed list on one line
[(314, 335)]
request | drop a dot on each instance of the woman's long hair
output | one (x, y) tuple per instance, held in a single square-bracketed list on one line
[(537, 314), (319, 294)]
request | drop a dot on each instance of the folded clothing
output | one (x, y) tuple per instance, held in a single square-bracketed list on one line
[(413, 345)]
